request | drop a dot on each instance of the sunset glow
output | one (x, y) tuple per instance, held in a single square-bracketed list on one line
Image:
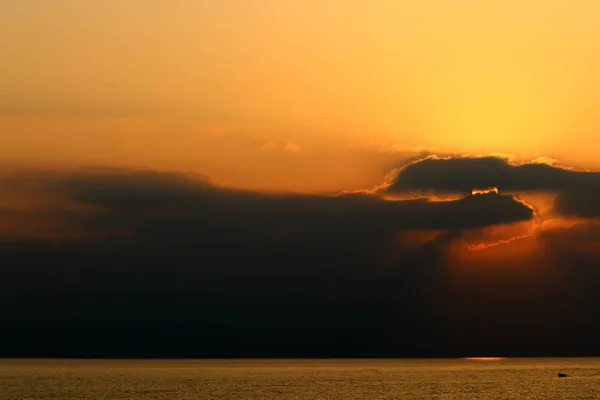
[(485, 191), (314, 178), (252, 93), (483, 246)]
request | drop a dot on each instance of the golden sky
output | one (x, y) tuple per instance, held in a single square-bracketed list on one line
[(288, 95)]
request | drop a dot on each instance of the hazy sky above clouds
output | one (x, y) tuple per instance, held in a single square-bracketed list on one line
[(248, 91)]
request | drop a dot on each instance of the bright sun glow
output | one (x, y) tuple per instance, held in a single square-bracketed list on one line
[(485, 191)]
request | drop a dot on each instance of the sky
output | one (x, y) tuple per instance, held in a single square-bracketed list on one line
[(315, 178)]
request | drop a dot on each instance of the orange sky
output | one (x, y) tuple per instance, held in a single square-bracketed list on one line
[(303, 96)]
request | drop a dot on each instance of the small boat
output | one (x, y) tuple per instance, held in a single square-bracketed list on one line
[(561, 375)]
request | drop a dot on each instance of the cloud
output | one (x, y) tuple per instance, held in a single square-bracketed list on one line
[(291, 147), (583, 203), (270, 145), (204, 270), (579, 191), (139, 199), (463, 174)]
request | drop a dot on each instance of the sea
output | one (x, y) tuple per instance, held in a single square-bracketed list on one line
[(456, 379)]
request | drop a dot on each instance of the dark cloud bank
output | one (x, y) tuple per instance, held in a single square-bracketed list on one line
[(203, 271), (578, 191)]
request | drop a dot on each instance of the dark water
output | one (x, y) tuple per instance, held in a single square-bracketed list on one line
[(526, 378)]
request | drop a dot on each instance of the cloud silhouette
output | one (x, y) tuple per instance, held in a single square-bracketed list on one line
[(579, 191), (204, 270), (152, 202)]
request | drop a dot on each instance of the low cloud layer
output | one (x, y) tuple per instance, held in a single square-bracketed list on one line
[(172, 265), (170, 201)]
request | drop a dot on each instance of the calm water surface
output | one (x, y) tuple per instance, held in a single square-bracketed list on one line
[(527, 378)]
